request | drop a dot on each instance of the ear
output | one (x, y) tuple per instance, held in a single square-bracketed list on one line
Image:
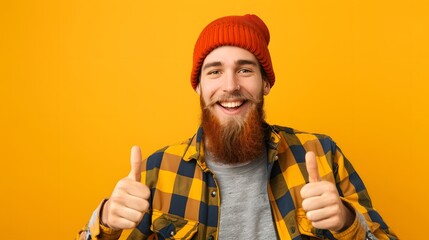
[(198, 89), (267, 87)]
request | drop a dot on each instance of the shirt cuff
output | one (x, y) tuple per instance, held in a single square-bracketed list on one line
[(353, 231), (100, 231)]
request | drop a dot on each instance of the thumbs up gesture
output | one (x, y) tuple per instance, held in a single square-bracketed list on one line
[(321, 201), (129, 200)]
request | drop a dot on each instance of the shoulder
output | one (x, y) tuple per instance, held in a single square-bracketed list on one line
[(294, 133), (163, 166), (170, 153), (293, 138)]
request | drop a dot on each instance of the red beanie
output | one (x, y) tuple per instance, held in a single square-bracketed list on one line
[(248, 32)]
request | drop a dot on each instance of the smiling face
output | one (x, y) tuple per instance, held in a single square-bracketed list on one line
[(230, 82), (231, 90)]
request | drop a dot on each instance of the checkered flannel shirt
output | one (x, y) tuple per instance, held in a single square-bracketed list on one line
[(185, 203)]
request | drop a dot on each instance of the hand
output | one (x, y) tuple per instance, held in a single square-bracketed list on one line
[(321, 201), (129, 200)]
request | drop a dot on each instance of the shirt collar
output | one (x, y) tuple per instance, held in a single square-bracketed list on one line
[(195, 150)]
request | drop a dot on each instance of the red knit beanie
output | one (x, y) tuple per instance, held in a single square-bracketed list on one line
[(248, 32)]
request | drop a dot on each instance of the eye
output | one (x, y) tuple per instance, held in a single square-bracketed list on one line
[(245, 71), (213, 72)]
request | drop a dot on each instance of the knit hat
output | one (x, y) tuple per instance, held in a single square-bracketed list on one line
[(248, 32)]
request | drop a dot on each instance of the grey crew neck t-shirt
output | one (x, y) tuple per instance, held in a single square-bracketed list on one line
[(245, 211)]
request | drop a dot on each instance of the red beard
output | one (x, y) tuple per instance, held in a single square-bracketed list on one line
[(238, 140)]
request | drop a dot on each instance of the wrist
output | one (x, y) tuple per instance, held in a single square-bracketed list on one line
[(103, 217), (349, 216)]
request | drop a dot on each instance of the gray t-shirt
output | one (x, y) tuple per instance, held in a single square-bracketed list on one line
[(245, 211)]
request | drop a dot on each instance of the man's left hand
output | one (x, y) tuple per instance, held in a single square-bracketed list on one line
[(323, 206)]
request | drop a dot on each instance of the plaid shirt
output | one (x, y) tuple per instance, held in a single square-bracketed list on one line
[(185, 203)]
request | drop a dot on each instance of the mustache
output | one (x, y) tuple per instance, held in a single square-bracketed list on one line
[(236, 96)]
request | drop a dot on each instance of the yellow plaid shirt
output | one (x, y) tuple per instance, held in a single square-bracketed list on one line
[(185, 203)]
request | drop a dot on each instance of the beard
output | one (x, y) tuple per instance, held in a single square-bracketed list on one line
[(238, 139)]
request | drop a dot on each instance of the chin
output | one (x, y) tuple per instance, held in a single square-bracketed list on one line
[(226, 119)]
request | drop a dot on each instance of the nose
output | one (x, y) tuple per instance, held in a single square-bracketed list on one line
[(230, 83)]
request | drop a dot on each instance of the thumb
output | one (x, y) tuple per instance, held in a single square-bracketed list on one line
[(136, 164), (312, 169)]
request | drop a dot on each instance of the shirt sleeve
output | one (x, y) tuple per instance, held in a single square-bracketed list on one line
[(368, 223), (94, 230)]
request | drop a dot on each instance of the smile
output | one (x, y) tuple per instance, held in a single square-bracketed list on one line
[(232, 104)]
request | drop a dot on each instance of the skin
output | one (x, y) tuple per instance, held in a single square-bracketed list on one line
[(321, 201), (129, 200), (224, 71)]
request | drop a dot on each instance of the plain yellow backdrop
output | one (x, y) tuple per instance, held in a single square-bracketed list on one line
[(83, 81)]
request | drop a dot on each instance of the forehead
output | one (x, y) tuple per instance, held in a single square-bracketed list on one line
[(229, 54)]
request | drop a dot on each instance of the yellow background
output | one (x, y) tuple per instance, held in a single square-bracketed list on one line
[(83, 81)]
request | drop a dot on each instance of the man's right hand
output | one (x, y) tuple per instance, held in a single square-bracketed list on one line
[(129, 200)]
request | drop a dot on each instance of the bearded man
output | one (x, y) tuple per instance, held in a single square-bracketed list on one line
[(239, 177)]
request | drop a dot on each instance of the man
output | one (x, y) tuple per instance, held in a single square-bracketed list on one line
[(239, 177)]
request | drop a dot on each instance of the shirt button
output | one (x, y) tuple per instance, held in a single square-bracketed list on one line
[(276, 157), (213, 194), (172, 233), (292, 229)]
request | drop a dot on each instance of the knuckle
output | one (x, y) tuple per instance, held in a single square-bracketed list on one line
[(145, 205), (120, 183), (139, 217), (305, 204), (337, 208), (304, 191), (115, 207), (146, 193), (309, 216), (135, 223), (112, 209), (316, 224), (332, 199), (114, 200)]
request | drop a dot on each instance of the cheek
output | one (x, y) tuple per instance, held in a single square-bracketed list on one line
[(208, 90), (254, 89)]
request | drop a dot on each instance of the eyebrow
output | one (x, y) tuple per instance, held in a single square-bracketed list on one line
[(246, 62), (238, 62), (212, 64)]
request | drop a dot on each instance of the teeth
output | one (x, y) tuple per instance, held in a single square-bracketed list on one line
[(231, 104)]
